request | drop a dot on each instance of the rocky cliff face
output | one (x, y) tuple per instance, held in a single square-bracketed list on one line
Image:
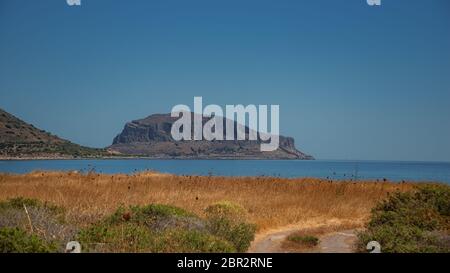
[(151, 136)]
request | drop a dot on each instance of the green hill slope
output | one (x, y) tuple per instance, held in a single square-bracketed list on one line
[(19, 139)]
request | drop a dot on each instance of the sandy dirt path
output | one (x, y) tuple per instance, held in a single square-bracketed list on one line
[(337, 242), (332, 242)]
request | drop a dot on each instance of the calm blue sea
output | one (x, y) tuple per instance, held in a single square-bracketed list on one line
[(393, 171)]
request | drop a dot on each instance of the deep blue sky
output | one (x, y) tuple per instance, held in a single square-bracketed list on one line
[(352, 81)]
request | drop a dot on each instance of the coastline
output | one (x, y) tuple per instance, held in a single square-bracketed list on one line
[(9, 158), (337, 170)]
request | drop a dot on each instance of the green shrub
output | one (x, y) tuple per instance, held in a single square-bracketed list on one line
[(143, 215), (307, 240), (438, 196), (229, 221), (124, 237), (157, 217), (20, 202), (14, 240), (158, 210), (152, 228), (192, 241), (226, 209), (411, 222), (41, 219)]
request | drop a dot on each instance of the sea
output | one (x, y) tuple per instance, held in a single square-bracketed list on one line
[(395, 171)]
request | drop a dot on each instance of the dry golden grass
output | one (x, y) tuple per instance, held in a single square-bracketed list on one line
[(271, 202)]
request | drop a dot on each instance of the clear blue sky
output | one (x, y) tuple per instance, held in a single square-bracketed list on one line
[(352, 81)]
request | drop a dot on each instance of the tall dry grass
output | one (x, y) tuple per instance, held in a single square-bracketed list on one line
[(271, 202)]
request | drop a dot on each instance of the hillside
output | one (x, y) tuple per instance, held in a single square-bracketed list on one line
[(19, 139), (148, 137), (151, 137)]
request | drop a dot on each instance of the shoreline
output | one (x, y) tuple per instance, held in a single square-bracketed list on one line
[(125, 165), (148, 158), (144, 172)]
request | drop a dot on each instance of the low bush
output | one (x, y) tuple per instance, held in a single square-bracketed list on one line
[(411, 222), (43, 220), (156, 217), (152, 228), (307, 241), (123, 237), (28, 225), (229, 221), (192, 241), (15, 240), (20, 202)]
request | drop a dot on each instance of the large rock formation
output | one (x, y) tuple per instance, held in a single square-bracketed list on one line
[(152, 137)]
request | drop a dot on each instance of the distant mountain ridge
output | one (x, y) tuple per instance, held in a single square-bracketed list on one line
[(152, 137), (149, 137), (19, 139)]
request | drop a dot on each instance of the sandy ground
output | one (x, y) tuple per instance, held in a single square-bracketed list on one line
[(341, 241), (337, 242)]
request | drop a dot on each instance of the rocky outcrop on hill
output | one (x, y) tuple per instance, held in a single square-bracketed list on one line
[(152, 137)]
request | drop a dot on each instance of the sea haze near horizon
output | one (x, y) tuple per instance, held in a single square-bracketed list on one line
[(331, 169)]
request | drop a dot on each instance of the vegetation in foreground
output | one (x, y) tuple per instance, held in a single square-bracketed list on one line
[(411, 222), (16, 240), (271, 202), (141, 212), (30, 226), (305, 241)]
